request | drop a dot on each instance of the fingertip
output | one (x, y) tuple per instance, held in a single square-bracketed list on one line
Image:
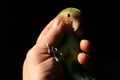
[(85, 45), (83, 58)]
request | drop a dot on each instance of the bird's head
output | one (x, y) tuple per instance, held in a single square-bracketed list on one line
[(71, 16)]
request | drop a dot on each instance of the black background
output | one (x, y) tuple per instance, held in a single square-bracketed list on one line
[(21, 22)]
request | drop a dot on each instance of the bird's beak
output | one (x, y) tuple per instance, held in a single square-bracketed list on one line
[(75, 25)]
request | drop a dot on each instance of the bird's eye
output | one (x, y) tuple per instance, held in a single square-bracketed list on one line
[(68, 15)]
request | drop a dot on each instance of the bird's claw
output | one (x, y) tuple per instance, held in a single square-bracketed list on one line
[(53, 51)]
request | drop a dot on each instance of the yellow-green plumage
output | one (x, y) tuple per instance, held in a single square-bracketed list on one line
[(69, 46)]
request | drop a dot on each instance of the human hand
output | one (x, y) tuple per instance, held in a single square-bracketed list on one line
[(39, 65)]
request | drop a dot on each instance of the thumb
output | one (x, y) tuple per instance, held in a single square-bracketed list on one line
[(51, 36)]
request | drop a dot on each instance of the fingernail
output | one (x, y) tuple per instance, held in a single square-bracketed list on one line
[(56, 23)]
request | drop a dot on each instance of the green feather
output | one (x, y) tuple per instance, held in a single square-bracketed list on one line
[(70, 50)]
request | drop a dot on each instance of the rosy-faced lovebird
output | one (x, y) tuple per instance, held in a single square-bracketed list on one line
[(69, 48)]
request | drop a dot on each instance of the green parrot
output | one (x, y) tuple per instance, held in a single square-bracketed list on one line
[(68, 50)]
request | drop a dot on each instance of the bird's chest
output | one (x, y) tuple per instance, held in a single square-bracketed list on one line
[(69, 47)]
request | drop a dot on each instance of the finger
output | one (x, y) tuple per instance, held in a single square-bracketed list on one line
[(45, 30), (85, 46), (83, 58), (39, 52), (54, 35)]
